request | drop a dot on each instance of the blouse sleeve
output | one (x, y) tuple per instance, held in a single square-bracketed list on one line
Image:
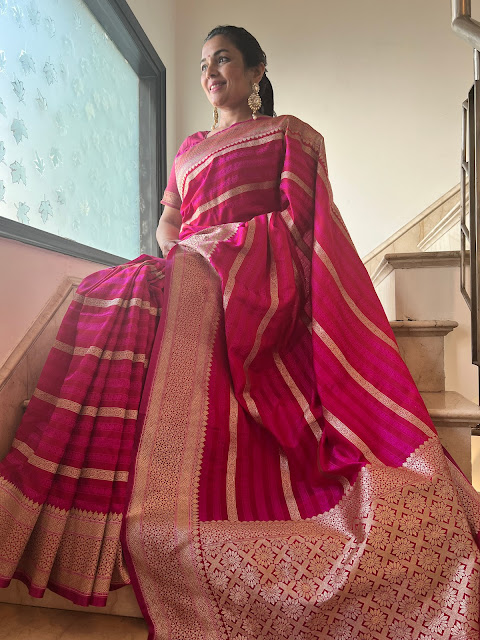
[(171, 196)]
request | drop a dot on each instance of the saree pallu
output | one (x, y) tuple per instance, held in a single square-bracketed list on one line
[(274, 472)]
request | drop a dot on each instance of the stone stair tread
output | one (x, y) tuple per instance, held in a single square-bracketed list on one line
[(450, 406), (423, 327), (414, 260)]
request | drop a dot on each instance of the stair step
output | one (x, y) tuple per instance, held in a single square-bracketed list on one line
[(22, 622), (448, 407), (414, 260), (454, 417), (423, 327), (421, 345)]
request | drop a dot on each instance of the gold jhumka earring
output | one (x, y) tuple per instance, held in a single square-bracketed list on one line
[(254, 100), (215, 118)]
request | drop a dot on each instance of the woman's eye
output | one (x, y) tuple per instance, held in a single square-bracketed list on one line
[(203, 67), (223, 59)]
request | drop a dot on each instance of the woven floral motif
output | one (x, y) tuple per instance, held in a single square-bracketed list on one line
[(413, 576)]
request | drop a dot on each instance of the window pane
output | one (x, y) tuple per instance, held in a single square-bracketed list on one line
[(69, 126)]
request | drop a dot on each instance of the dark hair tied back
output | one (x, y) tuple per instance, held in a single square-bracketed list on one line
[(253, 55)]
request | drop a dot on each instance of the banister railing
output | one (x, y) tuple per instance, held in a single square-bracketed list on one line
[(469, 30), (463, 24)]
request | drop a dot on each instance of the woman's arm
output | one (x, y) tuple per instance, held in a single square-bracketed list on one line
[(168, 229)]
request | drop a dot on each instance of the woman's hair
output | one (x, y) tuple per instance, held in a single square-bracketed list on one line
[(253, 55)]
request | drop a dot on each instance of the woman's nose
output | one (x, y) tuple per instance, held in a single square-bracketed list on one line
[(211, 70)]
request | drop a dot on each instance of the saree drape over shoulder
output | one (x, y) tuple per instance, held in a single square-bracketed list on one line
[(241, 412)]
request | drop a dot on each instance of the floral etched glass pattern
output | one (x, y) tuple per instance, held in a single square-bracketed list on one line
[(69, 126)]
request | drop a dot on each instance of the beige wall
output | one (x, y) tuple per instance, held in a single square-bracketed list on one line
[(30, 276), (157, 18), (382, 80), (388, 105)]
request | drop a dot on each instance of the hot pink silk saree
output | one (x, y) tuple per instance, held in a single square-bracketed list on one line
[(286, 481)]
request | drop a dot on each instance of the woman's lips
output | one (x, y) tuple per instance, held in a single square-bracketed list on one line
[(216, 87)]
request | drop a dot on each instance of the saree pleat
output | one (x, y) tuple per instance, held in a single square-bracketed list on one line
[(63, 485)]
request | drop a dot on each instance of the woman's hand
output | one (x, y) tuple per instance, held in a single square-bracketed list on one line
[(168, 229), (168, 246)]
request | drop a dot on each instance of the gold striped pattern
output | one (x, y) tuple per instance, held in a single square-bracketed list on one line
[(334, 212), (231, 193), (312, 151), (341, 224), (204, 159), (158, 275), (118, 302), (66, 470), (100, 353), (292, 227), (299, 397), (287, 488), (289, 175), (373, 391), (322, 173), (274, 301), (75, 407), (307, 321), (232, 461), (350, 436), (237, 263), (360, 315)]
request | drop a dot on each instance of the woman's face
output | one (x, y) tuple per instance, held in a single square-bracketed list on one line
[(224, 78)]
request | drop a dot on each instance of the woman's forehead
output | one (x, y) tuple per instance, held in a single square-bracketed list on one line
[(216, 44)]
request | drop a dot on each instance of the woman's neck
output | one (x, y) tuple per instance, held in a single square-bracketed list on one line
[(229, 117)]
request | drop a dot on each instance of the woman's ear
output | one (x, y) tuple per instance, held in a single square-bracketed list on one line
[(258, 72)]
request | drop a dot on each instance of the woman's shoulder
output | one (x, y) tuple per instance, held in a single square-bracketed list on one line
[(293, 125), (296, 128), (191, 141)]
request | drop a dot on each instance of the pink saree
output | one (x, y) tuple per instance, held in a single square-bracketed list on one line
[(274, 471)]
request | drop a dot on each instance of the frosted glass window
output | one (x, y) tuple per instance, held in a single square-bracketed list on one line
[(69, 126)]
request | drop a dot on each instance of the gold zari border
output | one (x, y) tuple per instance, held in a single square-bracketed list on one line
[(163, 505), (66, 470), (85, 410), (76, 550)]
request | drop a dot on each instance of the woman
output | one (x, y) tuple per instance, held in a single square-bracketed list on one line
[(286, 480)]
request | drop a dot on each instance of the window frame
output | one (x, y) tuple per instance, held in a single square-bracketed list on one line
[(124, 30)]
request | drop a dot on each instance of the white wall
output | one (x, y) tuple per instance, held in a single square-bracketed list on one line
[(30, 276), (382, 80)]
